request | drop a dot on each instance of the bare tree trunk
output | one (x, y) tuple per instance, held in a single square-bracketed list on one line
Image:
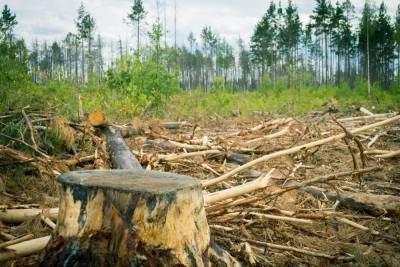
[(83, 61), (368, 62)]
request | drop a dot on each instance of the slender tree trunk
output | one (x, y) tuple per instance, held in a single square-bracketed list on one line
[(338, 68), (398, 66), (138, 36), (83, 62), (76, 60), (326, 59), (368, 66), (90, 56)]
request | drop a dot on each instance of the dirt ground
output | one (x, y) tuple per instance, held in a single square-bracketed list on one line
[(320, 225)]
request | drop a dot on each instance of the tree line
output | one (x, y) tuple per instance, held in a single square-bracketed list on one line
[(333, 47)]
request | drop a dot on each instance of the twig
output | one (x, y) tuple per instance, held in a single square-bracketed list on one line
[(270, 136), (281, 218), (7, 236), (26, 144), (356, 225), (47, 221), (16, 241), (281, 247), (322, 179), (30, 128), (173, 157)]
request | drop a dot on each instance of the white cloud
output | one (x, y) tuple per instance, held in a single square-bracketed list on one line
[(53, 19)]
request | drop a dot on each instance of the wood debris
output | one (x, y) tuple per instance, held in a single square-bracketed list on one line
[(346, 217)]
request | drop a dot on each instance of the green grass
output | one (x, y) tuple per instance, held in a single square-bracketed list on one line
[(288, 102), (121, 106)]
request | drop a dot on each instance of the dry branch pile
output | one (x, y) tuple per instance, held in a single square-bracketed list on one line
[(277, 191)]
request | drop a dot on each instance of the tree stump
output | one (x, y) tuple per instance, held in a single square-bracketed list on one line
[(129, 218)]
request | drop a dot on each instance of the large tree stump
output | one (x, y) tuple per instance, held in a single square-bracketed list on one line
[(129, 218)]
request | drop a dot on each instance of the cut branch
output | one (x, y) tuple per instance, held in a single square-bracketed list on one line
[(295, 150), (236, 191)]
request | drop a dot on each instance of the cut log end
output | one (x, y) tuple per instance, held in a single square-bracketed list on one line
[(97, 119), (129, 218)]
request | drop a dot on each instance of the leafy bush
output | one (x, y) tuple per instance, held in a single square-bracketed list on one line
[(147, 80)]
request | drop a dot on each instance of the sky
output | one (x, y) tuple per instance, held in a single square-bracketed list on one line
[(52, 19)]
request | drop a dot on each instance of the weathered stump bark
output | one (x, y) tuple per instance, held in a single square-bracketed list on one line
[(129, 218)]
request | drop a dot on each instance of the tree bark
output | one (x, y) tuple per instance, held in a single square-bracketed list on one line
[(129, 218)]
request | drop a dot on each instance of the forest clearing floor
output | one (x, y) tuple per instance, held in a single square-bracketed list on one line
[(335, 203)]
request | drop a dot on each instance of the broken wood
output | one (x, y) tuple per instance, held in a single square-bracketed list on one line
[(129, 217), (173, 157), (24, 248), (374, 204), (322, 179), (366, 111), (281, 218), (174, 125), (282, 247), (21, 215), (16, 241), (388, 155), (295, 150), (270, 136), (236, 191), (375, 116), (30, 128)]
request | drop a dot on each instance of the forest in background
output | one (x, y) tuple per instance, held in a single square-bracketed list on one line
[(287, 66)]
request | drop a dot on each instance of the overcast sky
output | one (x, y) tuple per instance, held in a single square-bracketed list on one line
[(52, 19)]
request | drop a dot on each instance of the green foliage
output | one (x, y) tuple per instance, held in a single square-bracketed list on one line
[(293, 102), (146, 81), (13, 55), (218, 85), (137, 12)]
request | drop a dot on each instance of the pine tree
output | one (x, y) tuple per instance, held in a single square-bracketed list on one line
[(263, 39), (244, 63), (397, 39), (136, 15), (385, 46), (8, 22), (290, 34), (85, 24), (366, 42), (210, 42), (322, 23)]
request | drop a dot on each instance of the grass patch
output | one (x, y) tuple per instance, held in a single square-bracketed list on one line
[(197, 103)]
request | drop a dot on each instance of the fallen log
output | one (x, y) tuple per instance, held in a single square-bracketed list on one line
[(120, 154), (295, 150), (237, 158), (127, 132), (129, 218), (374, 116), (174, 125), (21, 215), (373, 204)]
